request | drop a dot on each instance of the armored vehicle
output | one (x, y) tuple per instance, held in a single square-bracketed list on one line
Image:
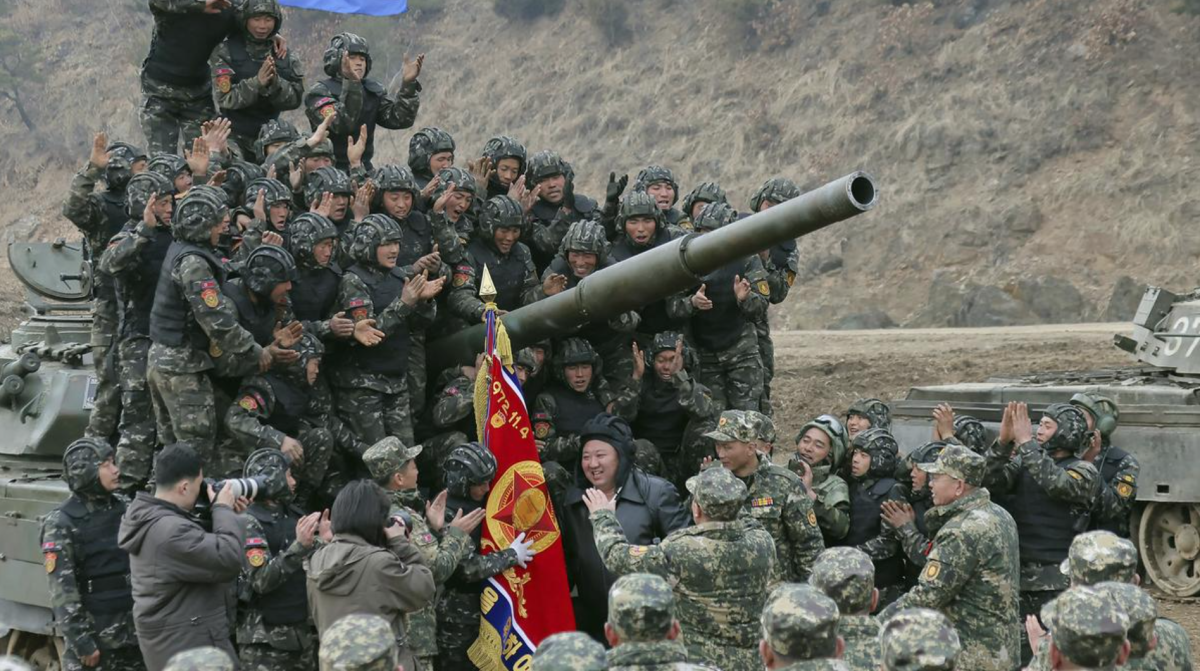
[(1159, 424)]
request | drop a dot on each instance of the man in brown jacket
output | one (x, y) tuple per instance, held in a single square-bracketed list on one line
[(370, 567), (181, 574)]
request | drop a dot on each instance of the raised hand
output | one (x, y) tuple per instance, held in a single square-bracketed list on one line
[(197, 158), (324, 207), (281, 50), (325, 527), (1022, 429), (741, 288), (431, 186), (289, 335), (439, 206), (217, 134), (435, 511), (469, 522), (293, 448), (639, 363), (306, 529), (615, 187), (595, 500), (361, 206), (266, 73), (355, 148), (554, 284), (677, 365), (482, 169), (260, 205), (100, 154), (700, 301), (412, 69), (943, 422), (148, 216), (318, 136)]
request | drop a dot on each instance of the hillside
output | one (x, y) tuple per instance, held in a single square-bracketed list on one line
[(1031, 153)]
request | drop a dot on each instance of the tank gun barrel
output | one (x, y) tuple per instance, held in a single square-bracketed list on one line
[(665, 270), (24, 365)]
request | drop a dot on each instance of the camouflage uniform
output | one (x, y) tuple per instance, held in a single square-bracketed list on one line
[(569, 651), (453, 419), (200, 659), (847, 576), (919, 639), (913, 537), (776, 499), (1118, 469), (560, 412), (972, 572), (705, 193), (359, 642), (832, 504), (241, 98), (800, 624), (90, 593), (443, 551), (1089, 627), (641, 610), (719, 569), (514, 273), (782, 263), (548, 222), (867, 494)]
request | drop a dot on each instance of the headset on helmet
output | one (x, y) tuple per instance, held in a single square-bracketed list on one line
[(971, 433), (707, 192), (714, 216), (197, 215), (272, 466), (141, 187), (275, 190), (777, 190), (653, 174), (1072, 433), (503, 146), (836, 431), (501, 212), (873, 409), (1103, 410), (884, 451), (267, 267), (468, 465), (340, 45), (374, 230), (327, 180), (423, 145), (81, 464)]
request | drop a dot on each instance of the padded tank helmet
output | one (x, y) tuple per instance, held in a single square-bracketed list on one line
[(714, 216), (271, 466), (326, 180), (267, 267), (635, 204), (665, 342), (654, 174), (394, 178), (81, 465), (503, 146), (237, 176), (707, 192), (168, 165), (197, 215), (306, 231), (119, 169), (586, 236), (971, 433), (574, 351), (527, 359), (253, 8), (1072, 433), (777, 190), (322, 148), (833, 428), (501, 212), (374, 230), (1102, 409), (423, 145), (874, 410), (273, 132), (468, 465), (544, 165), (463, 181), (925, 454), (881, 445), (276, 192), (141, 187), (340, 45)]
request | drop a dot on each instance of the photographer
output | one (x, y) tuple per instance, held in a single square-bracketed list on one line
[(369, 567), (181, 574)]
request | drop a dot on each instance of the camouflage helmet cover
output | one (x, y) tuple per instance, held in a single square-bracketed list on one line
[(81, 464), (874, 410), (586, 236), (340, 45), (119, 169), (372, 232), (637, 204), (1100, 556), (394, 178), (706, 192), (141, 186), (569, 651), (306, 231), (801, 623), (543, 165), (207, 658), (641, 607), (718, 492), (327, 180), (272, 466), (274, 132), (714, 216), (503, 146), (168, 165), (274, 192), (467, 465), (654, 174), (253, 8), (501, 212), (1089, 628), (237, 176), (267, 267), (423, 145), (919, 639), (359, 642), (971, 433), (1072, 433), (197, 215), (847, 576), (777, 190), (575, 351)]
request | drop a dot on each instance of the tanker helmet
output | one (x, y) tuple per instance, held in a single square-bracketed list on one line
[(777, 190), (1072, 433), (394, 178), (468, 465), (253, 8), (586, 236), (575, 351), (873, 409), (275, 190), (119, 169), (503, 146), (307, 230), (543, 165), (274, 132), (423, 145), (653, 174), (707, 192), (326, 180), (501, 212), (197, 215), (168, 165), (372, 232), (925, 454), (237, 176), (340, 45), (141, 187), (1103, 410), (463, 181), (883, 449), (525, 358), (971, 433), (714, 216), (81, 464), (638, 204), (267, 267), (272, 466)]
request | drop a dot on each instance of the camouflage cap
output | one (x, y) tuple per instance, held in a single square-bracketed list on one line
[(569, 651), (764, 427), (1088, 626), (800, 623), (1141, 609), (13, 663), (1099, 556), (641, 607), (359, 642), (918, 639), (383, 459), (200, 659), (734, 425), (847, 576), (718, 491), (960, 463)]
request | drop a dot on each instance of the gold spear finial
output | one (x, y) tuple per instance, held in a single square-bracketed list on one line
[(487, 290)]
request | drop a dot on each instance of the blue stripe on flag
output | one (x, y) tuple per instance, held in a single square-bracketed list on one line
[(368, 7), (508, 642)]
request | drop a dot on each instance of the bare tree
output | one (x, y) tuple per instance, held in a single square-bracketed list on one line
[(18, 64)]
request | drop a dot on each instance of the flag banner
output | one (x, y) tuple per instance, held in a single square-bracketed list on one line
[(521, 606), (368, 7)]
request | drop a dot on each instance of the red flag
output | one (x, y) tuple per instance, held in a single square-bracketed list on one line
[(519, 607)]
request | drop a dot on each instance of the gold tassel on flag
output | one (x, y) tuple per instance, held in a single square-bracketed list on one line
[(487, 292)]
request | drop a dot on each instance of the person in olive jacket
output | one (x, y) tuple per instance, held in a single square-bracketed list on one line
[(648, 508), (180, 573)]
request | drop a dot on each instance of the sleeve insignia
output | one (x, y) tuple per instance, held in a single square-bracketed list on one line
[(224, 72), (328, 111), (210, 297), (1128, 477), (762, 502), (452, 391), (932, 570), (224, 84), (256, 542), (791, 278), (1124, 490), (459, 279), (638, 550), (763, 288), (214, 350), (50, 546), (257, 557), (358, 314), (248, 403), (1074, 474), (541, 430), (812, 518), (50, 559), (356, 302)]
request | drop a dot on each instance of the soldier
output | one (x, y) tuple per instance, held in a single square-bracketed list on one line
[(273, 630), (659, 183), (271, 204), (1118, 468), (569, 651), (334, 185), (443, 544), (719, 568), (873, 457), (972, 571), (1142, 612), (782, 262), (641, 226), (509, 262), (721, 313), (451, 420), (469, 471), (919, 639), (260, 299), (507, 158), (820, 452), (551, 204), (430, 151), (705, 194), (359, 642), (134, 260), (1090, 630), (775, 497), (800, 631), (1051, 490), (314, 291), (847, 576), (867, 413), (396, 194), (176, 91), (641, 629), (576, 394), (356, 101), (906, 519), (99, 216), (88, 574), (372, 383), (255, 76), (970, 432), (451, 210), (192, 323), (668, 408), (206, 658)]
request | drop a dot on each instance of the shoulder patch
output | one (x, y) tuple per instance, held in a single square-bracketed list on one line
[(763, 287), (1075, 474), (249, 404), (638, 550), (224, 83), (460, 279), (932, 570), (812, 518), (1124, 490), (541, 430), (210, 297), (328, 111), (256, 557), (50, 561)]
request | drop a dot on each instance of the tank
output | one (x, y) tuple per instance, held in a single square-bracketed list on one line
[(1159, 424)]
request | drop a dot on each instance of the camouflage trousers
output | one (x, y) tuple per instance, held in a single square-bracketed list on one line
[(121, 659), (106, 410), (318, 450), (735, 375), (433, 454), (262, 657), (416, 374), (184, 409), (617, 359), (135, 448), (372, 415), (724, 657), (457, 629), (766, 353), (169, 112)]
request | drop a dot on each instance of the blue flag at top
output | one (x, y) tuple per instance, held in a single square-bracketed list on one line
[(368, 7)]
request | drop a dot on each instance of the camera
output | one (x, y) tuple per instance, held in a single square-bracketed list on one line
[(242, 487), (402, 517)]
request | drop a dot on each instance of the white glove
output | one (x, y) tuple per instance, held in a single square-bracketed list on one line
[(524, 550)]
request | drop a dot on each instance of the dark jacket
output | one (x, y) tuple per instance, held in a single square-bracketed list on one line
[(648, 508), (181, 576)]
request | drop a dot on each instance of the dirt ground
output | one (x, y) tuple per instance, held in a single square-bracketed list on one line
[(824, 371)]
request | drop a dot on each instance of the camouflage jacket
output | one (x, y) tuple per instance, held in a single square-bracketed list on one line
[(1172, 653), (464, 301), (720, 572), (693, 397), (395, 112), (451, 238), (455, 403), (753, 307), (83, 633), (832, 504), (913, 542), (248, 419), (84, 209), (1076, 485), (547, 224), (283, 93), (779, 501), (264, 572), (1118, 490), (355, 300), (554, 445), (817, 665), (651, 656), (972, 575), (861, 633)]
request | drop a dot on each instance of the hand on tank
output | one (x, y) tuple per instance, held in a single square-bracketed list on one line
[(700, 301), (100, 155), (482, 169), (324, 206), (318, 136), (148, 217), (294, 450), (260, 206), (943, 422), (741, 288), (595, 500), (361, 207), (215, 6), (340, 326), (306, 529), (356, 147), (1022, 430), (554, 284), (897, 513), (91, 660), (639, 363), (412, 69), (615, 187), (439, 206), (197, 158), (366, 334), (266, 72)]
